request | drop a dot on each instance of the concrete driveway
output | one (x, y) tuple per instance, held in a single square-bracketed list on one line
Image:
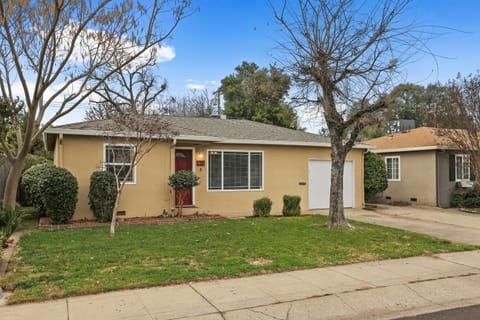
[(451, 224)]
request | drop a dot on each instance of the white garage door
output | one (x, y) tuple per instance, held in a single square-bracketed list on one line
[(319, 184)]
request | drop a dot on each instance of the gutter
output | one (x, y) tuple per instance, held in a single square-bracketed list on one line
[(426, 148)]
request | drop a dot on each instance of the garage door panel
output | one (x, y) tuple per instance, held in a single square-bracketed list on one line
[(319, 184)]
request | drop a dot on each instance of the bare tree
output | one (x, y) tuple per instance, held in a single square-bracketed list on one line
[(198, 103), (130, 137), (54, 54), (133, 89), (461, 113), (343, 55), (128, 103)]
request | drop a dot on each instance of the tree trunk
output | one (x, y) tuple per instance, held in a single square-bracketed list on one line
[(13, 180), (181, 196), (336, 214), (113, 223)]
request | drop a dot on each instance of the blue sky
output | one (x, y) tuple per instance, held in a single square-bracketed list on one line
[(220, 34), (211, 42)]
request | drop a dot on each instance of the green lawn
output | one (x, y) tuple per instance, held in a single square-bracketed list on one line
[(54, 264)]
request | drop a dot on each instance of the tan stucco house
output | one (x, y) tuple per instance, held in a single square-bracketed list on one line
[(238, 161), (422, 165)]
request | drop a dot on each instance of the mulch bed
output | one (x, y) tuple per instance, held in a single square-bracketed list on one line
[(44, 224)]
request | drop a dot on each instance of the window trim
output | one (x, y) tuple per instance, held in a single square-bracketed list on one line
[(399, 170), (235, 190), (105, 163), (463, 156)]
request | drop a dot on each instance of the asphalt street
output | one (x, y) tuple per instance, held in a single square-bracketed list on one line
[(465, 313)]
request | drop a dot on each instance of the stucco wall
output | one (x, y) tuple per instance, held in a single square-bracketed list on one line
[(417, 178), (285, 171)]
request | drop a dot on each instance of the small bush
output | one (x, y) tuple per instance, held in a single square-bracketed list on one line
[(456, 200), (262, 207), (181, 181), (291, 205), (472, 198), (31, 185), (33, 159), (60, 190), (102, 195), (10, 219)]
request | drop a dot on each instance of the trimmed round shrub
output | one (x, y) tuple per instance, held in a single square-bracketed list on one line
[(375, 175), (262, 207), (60, 191), (30, 161), (181, 181), (33, 159), (31, 185), (102, 195), (291, 205)]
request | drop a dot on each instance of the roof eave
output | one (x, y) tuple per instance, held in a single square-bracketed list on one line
[(100, 133), (410, 149)]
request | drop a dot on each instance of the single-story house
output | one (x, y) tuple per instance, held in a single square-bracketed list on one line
[(422, 166), (238, 161)]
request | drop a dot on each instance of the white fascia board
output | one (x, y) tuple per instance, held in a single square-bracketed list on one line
[(426, 148), (103, 133), (197, 138), (286, 143)]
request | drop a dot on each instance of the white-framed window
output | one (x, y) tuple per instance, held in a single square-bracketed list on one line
[(462, 167), (392, 165), (117, 158), (235, 170)]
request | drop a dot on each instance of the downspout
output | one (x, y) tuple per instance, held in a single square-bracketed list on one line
[(437, 175), (60, 150), (362, 170), (172, 171)]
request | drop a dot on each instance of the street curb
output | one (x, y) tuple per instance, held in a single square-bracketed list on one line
[(8, 252)]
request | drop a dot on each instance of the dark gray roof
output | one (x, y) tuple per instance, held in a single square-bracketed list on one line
[(231, 129), (214, 130)]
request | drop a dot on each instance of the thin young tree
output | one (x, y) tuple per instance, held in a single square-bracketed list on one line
[(130, 112), (342, 56), (131, 136), (54, 54)]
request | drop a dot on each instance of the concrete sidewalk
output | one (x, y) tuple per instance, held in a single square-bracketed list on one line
[(450, 224), (374, 290)]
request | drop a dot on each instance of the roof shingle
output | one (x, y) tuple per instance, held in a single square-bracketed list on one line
[(414, 138), (217, 128)]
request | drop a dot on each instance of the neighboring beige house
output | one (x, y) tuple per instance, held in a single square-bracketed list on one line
[(238, 161), (422, 166)]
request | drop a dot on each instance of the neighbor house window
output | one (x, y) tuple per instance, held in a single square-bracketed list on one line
[(235, 170), (462, 167), (393, 168), (118, 159)]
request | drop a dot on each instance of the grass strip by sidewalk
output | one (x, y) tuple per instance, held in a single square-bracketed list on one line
[(54, 264)]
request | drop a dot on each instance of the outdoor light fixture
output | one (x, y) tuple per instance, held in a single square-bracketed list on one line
[(200, 157)]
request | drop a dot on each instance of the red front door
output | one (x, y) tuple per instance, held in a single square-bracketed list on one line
[(183, 161)]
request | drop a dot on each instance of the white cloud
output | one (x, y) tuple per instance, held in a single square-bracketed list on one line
[(201, 84), (89, 41), (196, 86), (165, 53)]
